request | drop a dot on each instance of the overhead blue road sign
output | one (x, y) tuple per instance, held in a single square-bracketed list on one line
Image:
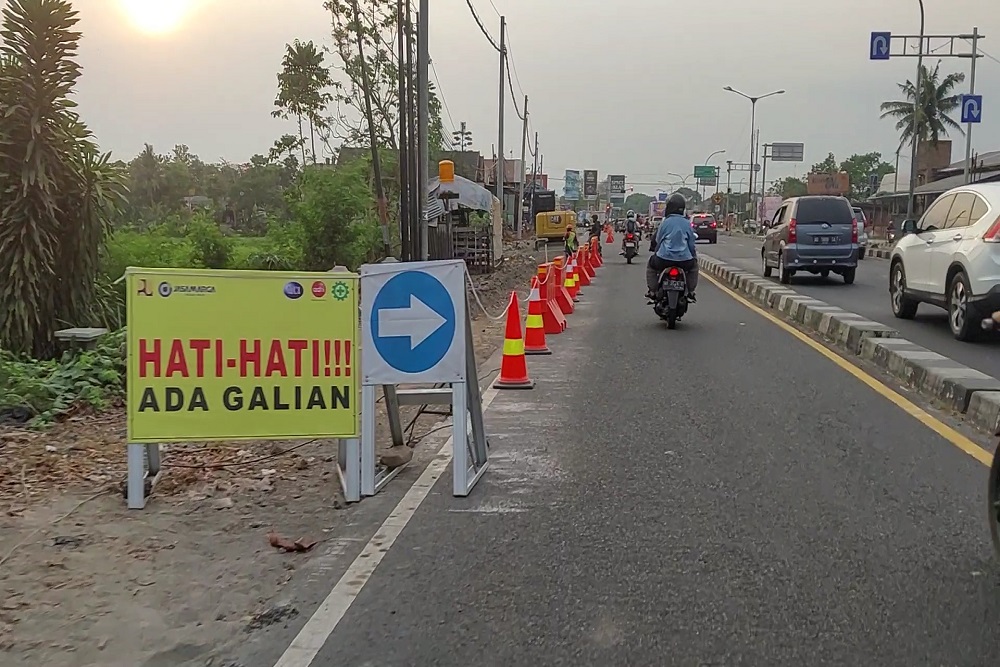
[(413, 321), (878, 47), (972, 108)]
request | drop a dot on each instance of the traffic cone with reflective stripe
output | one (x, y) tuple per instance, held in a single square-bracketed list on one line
[(573, 278), (514, 365), (552, 318), (586, 270), (534, 327), (611, 236), (595, 255), (561, 286), (581, 271)]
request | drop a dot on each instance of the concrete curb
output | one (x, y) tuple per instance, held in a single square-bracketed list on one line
[(945, 382)]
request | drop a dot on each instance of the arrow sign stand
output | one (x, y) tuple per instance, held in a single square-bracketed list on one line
[(416, 332)]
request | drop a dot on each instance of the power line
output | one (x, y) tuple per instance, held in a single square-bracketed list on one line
[(444, 102), (513, 97), (479, 22)]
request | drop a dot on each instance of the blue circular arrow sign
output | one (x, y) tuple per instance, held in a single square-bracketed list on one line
[(413, 322)]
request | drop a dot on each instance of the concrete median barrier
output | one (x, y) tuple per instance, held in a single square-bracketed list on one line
[(945, 382)]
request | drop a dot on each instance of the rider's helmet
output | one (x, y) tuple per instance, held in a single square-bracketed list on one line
[(569, 227), (675, 204), (630, 215)]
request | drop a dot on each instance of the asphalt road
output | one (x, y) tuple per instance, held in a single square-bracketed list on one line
[(869, 296), (721, 494)]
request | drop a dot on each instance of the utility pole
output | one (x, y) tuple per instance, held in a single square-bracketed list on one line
[(534, 175), (499, 160), (972, 91), (729, 188), (404, 174), (916, 125), (520, 190), (423, 119)]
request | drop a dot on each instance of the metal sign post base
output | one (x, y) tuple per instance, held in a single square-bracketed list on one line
[(143, 473), (349, 468)]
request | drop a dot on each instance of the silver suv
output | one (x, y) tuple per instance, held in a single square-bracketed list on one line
[(814, 234)]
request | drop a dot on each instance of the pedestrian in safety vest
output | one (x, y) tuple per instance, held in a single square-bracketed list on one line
[(570, 241)]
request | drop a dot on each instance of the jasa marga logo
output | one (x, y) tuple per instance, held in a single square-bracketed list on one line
[(166, 289)]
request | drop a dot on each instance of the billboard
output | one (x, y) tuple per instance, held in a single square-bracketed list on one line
[(541, 181), (616, 188), (590, 183), (571, 188), (512, 171), (787, 152), (828, 184)]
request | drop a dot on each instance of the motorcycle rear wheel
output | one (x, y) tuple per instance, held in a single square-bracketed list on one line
[(672, 319)]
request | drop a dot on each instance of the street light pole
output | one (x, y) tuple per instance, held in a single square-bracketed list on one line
[(753, 127), (708, 161), (917, 109)]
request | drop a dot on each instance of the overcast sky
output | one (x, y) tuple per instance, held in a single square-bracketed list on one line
[(631, 86)]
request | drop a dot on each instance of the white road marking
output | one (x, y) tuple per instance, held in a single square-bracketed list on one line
[(313, 635)]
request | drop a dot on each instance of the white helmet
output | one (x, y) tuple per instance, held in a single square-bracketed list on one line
[(630, 214)]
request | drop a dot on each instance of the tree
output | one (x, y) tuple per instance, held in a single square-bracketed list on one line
[(693, 196), (638, 202), (860, 168), (827, 166), (335, 209), (59, 191), (789, 187), (377, 24), (302, 84), (937, 100)]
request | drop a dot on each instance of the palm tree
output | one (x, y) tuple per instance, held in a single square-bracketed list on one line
[(937, 100), (301, 89), (60, 193)]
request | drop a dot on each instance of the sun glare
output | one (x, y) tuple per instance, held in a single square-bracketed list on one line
[(156, 17)]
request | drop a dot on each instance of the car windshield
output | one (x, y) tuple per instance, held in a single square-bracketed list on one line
[(822, 209)]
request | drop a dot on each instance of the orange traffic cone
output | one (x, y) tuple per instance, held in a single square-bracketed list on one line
[(534, 327), (513, 365), (587, 266), (595, 255), (562, 285), (552, 317), (611, 236), (572, 278), (581, 263)]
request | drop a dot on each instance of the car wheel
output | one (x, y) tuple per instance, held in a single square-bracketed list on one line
[(764, 268), (903, 307), (861, 253), (962, 316), (784, 275), (849, 276)]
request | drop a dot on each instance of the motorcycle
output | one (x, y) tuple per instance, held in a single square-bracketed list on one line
[(631, 247), (671, 302)]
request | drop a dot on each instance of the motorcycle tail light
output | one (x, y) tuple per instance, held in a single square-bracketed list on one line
[(674, 273)]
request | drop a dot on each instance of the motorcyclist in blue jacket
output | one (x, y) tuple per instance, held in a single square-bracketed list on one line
[(673, 244)]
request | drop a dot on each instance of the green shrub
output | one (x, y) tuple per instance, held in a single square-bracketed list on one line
[(210, 248), (38, 392)]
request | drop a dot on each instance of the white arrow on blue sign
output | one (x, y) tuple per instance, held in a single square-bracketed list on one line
[(412, 322), (878, 47), (972, 108)]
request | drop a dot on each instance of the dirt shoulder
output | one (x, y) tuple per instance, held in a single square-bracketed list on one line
[(85, 582)]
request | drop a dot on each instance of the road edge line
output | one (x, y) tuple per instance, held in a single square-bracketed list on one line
[(957, 439), (312, 637)]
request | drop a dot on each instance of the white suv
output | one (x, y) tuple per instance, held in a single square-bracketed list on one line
[(951, 259)]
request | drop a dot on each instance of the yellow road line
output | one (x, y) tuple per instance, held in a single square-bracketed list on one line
[(948, 433)]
